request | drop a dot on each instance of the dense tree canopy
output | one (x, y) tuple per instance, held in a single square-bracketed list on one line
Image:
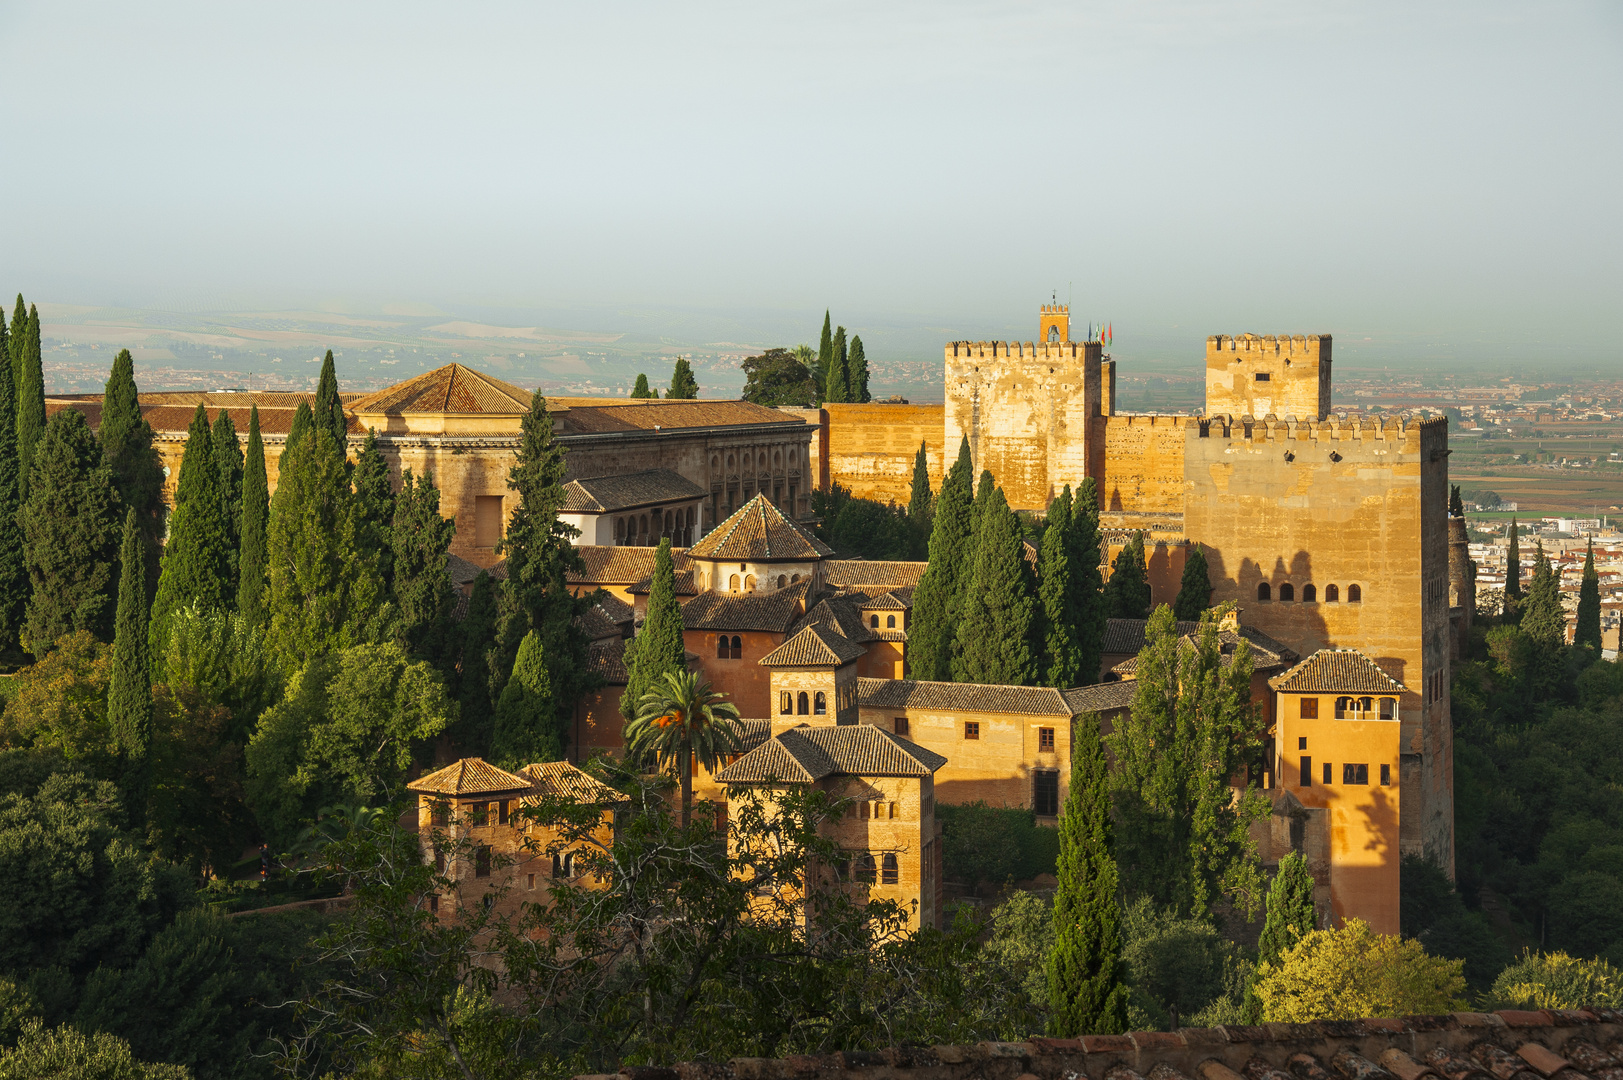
[(777, 377)]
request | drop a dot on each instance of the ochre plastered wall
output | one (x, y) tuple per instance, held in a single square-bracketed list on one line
[(746, 683), (1139, 464), (871, 448), (998, 766), (1296, 370)]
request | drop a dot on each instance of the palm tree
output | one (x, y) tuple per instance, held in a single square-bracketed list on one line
[(679, 719)]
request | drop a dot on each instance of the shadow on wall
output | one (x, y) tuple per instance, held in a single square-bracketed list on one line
[(1285, 602)]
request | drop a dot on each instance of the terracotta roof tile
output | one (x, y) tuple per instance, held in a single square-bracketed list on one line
[(1266, 653), (667, 415), (606, 565), (449, 389), (774, 611), (1127, 635), (469, 776), (461, 570), (682, 585), (597, 624), (887, 601), (560, 778), (606, 658), (607, 494), (1101, 697), (1336, 671), (813, 646), (615, 608), (966, 697), (841, 615), (805, 754), (859, 573), (758, 531)]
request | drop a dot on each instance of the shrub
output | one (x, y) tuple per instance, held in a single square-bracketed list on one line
[(1352, 972), (1557, 981)]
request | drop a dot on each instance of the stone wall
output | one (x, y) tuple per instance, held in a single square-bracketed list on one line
[(1280, 375), (1139, 462), (871, 448), (996, 767)]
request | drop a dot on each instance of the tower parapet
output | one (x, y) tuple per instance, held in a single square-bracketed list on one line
[(1254, 375)]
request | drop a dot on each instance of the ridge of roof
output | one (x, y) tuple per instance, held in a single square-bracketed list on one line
[(469, 776), (808, 753), (759, 531), (971, 697), (1100, 697), (774, 611), (813, 646), (606, 494), (1335, 671), (451, 388)]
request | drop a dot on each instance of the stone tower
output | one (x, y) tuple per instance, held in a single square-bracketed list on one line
[(1055, 327), (1280, 376), (1461, 583)]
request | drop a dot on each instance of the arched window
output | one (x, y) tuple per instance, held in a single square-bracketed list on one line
[(873, 621), (782, 581), (732, 583), (1263, 592), (569, 864), (722, 650), (890, 622), (793, 578), (619, 530), (1310, 594), (786, 704), (667, 523), (866, 871), (1389, 708), (1355, 595), (1332, 594), (819, 704), (642, 525), (891, 873), (1343, 704), (804, 704), (1287, 591), (1366, 705), (749, 583), (738, 648)]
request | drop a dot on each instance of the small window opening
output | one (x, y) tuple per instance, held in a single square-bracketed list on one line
[(1263, 376), (1389, 708), (481, 862), (1355, 595), (804, 704), (1263, 592), (1332, 594), (1386, 776), (873, 621), (1310, 708), (1287, 591), (890, 622), (1355, 774), (1327, 772), (901, 725), (972, 729), (1045, 740), (1310, 594), (1301, 742), (786, 704), (891, 873), (819, 704), (738, 647), (1307, 772)]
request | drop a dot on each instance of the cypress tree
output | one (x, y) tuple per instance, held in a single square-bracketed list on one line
[(1087, 991), (126, 444), (1291, 915), (422, 586), (1542, 617), (641, 390), (13, 572), (1588, 632), (1062, 659), (825, 356), (1513, 575), (683, 385), (374, 506), (1195, 591), (1087, 599), (1127, 593), (856, 372), (527, 728), (228, 459), (303, 420), (18, 343), (196, 566), (129, 689), (918, 504), (1456, 506), (993, 640), (836, 385), (476, 647), (329, 409), (70, 527), (937, 599), (658, 648), (30, 400), (255, 510)]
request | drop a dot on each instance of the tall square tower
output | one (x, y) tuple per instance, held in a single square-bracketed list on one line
[(1280, 376)]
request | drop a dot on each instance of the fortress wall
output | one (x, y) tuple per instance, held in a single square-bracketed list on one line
[(1340, 503), (1139, 463), (1163, 559), (871, 448), (1258, 376)]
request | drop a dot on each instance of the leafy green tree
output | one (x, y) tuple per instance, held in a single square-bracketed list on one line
[(348, 729), (1555, 980), (856, 372), (993, 643), (1022, 936), (641, 390), (1195, 591), (1183, 832), (255, 512), (67, 1053), (224, 660), (778, 377), (1291, 915), (920, 504), (681, 720), (374, 508), (13, 570), (1087, 995), (1434, 914), (70, 527), (30, 398), (1513, 574), (477, 657), (329, 410), (129, 691), (1087, 597), (1588, 632), (229, 459), (527, 716), (1543, 619), (937, 601), (422, 585), (872, 530), (1062, 659), (1127, 593), (197, 558), (59, 704), (1351, 972), (658, 648), (825, 356), (193, 814), (683, 384), (1181, 971), (126, 444)]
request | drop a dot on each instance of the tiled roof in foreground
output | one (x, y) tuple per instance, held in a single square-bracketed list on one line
[(469, 776), (1337, 671), (561, 778), (1556, 1044)]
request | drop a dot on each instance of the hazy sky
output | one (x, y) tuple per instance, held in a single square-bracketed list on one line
[(1405, 171)]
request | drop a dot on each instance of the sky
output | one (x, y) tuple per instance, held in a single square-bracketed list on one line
[(1410, 174)]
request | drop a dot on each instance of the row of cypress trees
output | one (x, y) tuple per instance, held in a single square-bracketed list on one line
[(842, 370), (683, 383)]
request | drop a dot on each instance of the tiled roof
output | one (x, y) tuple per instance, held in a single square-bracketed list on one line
[(1337, 671), (1266, 653), (682, 584), (758, 531), (859, 573), (774, 611), (805, 754), (560, 778), (667, 415), (1127, 635), (606, 658), (1569, 1044), (814, 646), (615, 608), (606, 565), (841, 615), (964, 697), (461, 570), (449, 389), (887, 601), (606, 494), (1101, 697), (597, 624), (469, 776)]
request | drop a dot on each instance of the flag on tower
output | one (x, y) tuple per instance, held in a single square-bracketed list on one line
[(1111, 334)]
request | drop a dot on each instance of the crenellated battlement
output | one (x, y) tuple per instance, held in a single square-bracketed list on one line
[(1055, 309), (1303, 344), (1249, 429), (1045, 350)]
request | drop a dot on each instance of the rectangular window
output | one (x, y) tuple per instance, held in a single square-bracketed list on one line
[(1355, 774), (1386, 776), (434, 902), (506, 806), (1301, 742), (1307, 773), (439, 862), (1327, 772), (972, 729), (492, 812), (1045, 796), (891, 871), (865, 811), (1045, 740), (487, 520), (481, 862), (1310, 708), (1263, 376), (901, 726), (442, 815), (529, 883)]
